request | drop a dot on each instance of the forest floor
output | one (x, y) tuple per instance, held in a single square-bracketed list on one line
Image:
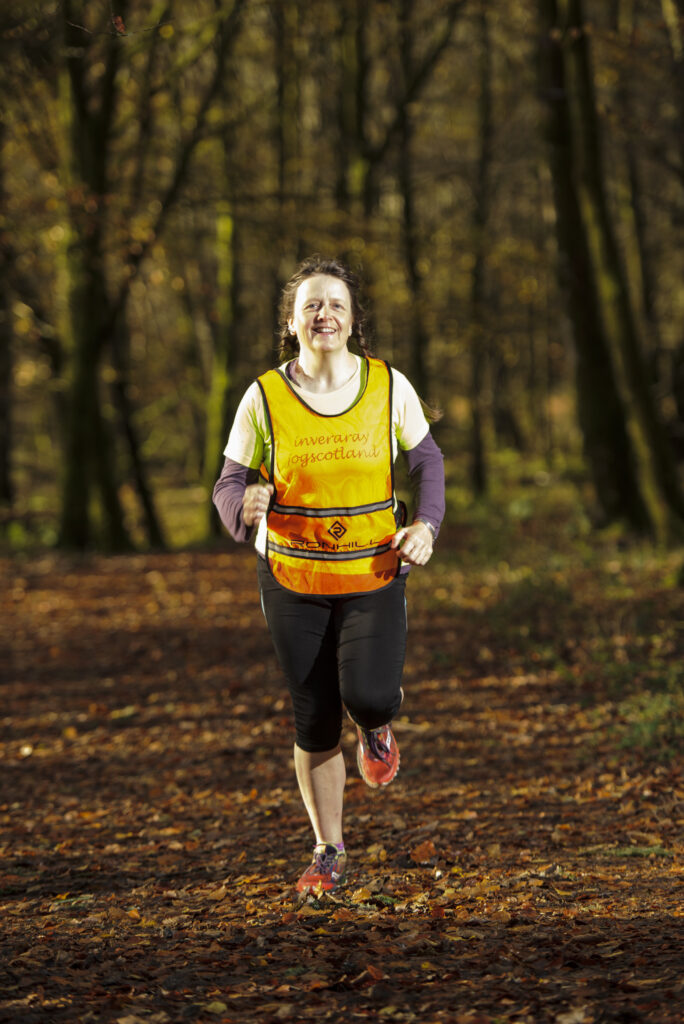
[(524, 866)]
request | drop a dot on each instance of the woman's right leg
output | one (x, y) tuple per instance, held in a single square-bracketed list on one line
[(303, 635), (321, 777)]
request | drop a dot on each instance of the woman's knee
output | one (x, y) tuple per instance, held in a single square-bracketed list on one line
[(317, 740), (318, 729), (371, 711)]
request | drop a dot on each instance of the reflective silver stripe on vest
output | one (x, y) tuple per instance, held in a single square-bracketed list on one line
[(355, 510), (328, 556)]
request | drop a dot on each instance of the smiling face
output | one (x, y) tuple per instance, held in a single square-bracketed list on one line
[(322, 316)]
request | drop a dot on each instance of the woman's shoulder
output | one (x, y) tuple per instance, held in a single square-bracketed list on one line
[(252, 394), (397, 376), (251, 404)]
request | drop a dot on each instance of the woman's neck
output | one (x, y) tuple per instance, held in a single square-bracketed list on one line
[(326, 372)]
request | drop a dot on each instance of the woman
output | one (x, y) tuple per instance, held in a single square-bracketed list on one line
[(309, 464)]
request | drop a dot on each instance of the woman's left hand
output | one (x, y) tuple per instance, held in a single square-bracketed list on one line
[(414, 543)]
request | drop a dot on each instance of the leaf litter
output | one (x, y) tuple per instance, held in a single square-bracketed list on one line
[(525, 865)]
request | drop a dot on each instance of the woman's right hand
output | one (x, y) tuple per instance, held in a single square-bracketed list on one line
[(255, 503)]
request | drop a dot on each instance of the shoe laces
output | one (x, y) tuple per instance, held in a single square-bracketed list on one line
[(376, 743), (325, 859)]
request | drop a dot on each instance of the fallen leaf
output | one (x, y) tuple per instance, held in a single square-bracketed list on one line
[(424, 852), (576, 1015), (359, 895), (343, 914), (218, 894), (375, 972)]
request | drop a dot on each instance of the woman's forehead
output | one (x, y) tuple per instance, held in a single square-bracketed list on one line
[(321, 285)]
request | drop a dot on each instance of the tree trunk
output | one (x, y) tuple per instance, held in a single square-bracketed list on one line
[(410, 230), (6, 486), (221, 401), (634, 215), (658, 467), (89, 464), (89, 461), (507, 429), (288, 145), (542, 326), (124, 407), (87, 113), (352, 165), (607, 447), (482, 195), (673, 16), (286, 240), (6, 350)]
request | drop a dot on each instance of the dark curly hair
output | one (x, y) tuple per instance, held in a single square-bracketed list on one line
[(288, 346)]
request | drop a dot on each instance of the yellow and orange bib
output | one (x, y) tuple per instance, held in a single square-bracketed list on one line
[(331, 518)]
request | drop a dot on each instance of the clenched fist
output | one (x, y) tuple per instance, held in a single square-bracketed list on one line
[(255, 503)]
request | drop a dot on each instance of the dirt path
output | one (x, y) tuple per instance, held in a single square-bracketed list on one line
[(523, 867)]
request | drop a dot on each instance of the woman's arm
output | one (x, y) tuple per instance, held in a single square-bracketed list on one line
[(229, 492), (425, 464)]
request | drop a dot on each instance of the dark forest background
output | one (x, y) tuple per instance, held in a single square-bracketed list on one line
[(507, 177)]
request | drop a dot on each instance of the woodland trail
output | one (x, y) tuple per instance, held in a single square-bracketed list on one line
[(523, 867)]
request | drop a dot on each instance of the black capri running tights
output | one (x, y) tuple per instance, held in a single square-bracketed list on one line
[(334, 650)]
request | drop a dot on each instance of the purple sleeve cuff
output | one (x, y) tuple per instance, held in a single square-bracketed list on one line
[(227, 497), (425, 464)]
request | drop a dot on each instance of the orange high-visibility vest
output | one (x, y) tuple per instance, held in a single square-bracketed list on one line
[(331, 517)]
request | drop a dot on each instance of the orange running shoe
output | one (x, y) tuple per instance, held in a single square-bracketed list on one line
[(326, 871), (377, 755)]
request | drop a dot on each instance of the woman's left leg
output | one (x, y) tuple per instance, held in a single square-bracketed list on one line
[(371, 648)]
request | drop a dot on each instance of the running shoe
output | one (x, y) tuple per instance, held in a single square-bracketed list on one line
[(326, 871), (377, 755)]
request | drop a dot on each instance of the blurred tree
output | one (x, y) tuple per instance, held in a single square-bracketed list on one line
[(6, 483), (288, 42), (411, 229), (232, 137), (673, 16), (221, 402), (633, 207), (352, 100), (601, 413), (120, 387), (482, 187), (120, 333), (660, 482), (89, 105), (87, 112)]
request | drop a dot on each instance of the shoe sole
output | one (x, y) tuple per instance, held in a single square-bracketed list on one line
[(369, 782), (319, 887)]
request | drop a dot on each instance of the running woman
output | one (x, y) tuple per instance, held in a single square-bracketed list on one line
[(309, 469)]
